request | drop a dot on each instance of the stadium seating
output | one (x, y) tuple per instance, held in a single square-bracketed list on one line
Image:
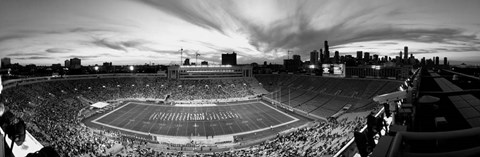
[(324, 96), (50, 109)]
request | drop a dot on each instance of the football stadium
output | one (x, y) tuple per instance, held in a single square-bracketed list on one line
[(230, 114), (238, 78), (215, 116)]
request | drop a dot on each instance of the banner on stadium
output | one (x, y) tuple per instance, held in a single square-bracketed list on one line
[(333, 70)]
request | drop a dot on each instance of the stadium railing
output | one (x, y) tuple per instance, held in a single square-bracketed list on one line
[(350, 145)]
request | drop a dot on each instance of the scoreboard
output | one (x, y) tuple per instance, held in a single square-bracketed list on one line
[(333, 70)]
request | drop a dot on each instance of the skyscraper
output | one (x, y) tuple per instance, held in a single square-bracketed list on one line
[(375, 58), (445, 62), (314, 57), (5, 62), (67, 63), (401, 57), (336, 57), (229, 59), (437, 60), (412, 59), (366, 56), (296, 57), (292, 65), (322, 57), (398, 59), (405, 50), (327, 53), (75, 63), (359, 55)]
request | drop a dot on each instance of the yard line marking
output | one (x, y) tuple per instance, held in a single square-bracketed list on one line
[(171, 122), (156, 122), (265, 115), (113, 111), (254, 123), (135, 118)]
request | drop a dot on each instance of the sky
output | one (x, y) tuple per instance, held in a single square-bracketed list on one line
[(126, 32)]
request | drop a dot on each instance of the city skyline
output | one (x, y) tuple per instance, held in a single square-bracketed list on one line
[(137, 32)]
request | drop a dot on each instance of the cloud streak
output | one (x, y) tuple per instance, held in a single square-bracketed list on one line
[(300, 29), (256, 30), (33, 58), (58, 50)]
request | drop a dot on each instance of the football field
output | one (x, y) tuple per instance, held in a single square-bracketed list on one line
[(231, 119)]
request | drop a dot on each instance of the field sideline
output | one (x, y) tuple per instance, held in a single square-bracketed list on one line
[(232, 119)]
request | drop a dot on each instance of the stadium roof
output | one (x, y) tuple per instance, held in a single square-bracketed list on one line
[(467, 104)]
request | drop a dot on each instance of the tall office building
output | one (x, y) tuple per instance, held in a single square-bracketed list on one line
[(322, 57), (229, 59), (289, 65), (398, 59), (5, 62), (314, 57), (296, 57), (327, 53), (401, 57), (405, 53), (412, 59), (366, 56), (75, 63), (359, 55), (375, 58), (336, 57), (437, 60), (293, 65), (67, 63), (445, 62)]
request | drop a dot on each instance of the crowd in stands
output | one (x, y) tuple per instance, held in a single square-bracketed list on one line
[(50, 111), (321, 139), (159, 88), (50, 108)]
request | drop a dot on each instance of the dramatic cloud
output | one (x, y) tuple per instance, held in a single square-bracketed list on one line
[(109, 44), (136, 32), (58, 50), (24, 54), (10, 37), (33, 58)]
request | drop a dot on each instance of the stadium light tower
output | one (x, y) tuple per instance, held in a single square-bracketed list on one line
[(181, 56), (196, 56)]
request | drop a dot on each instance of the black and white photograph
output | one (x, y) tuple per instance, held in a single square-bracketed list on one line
[(246, 78)]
